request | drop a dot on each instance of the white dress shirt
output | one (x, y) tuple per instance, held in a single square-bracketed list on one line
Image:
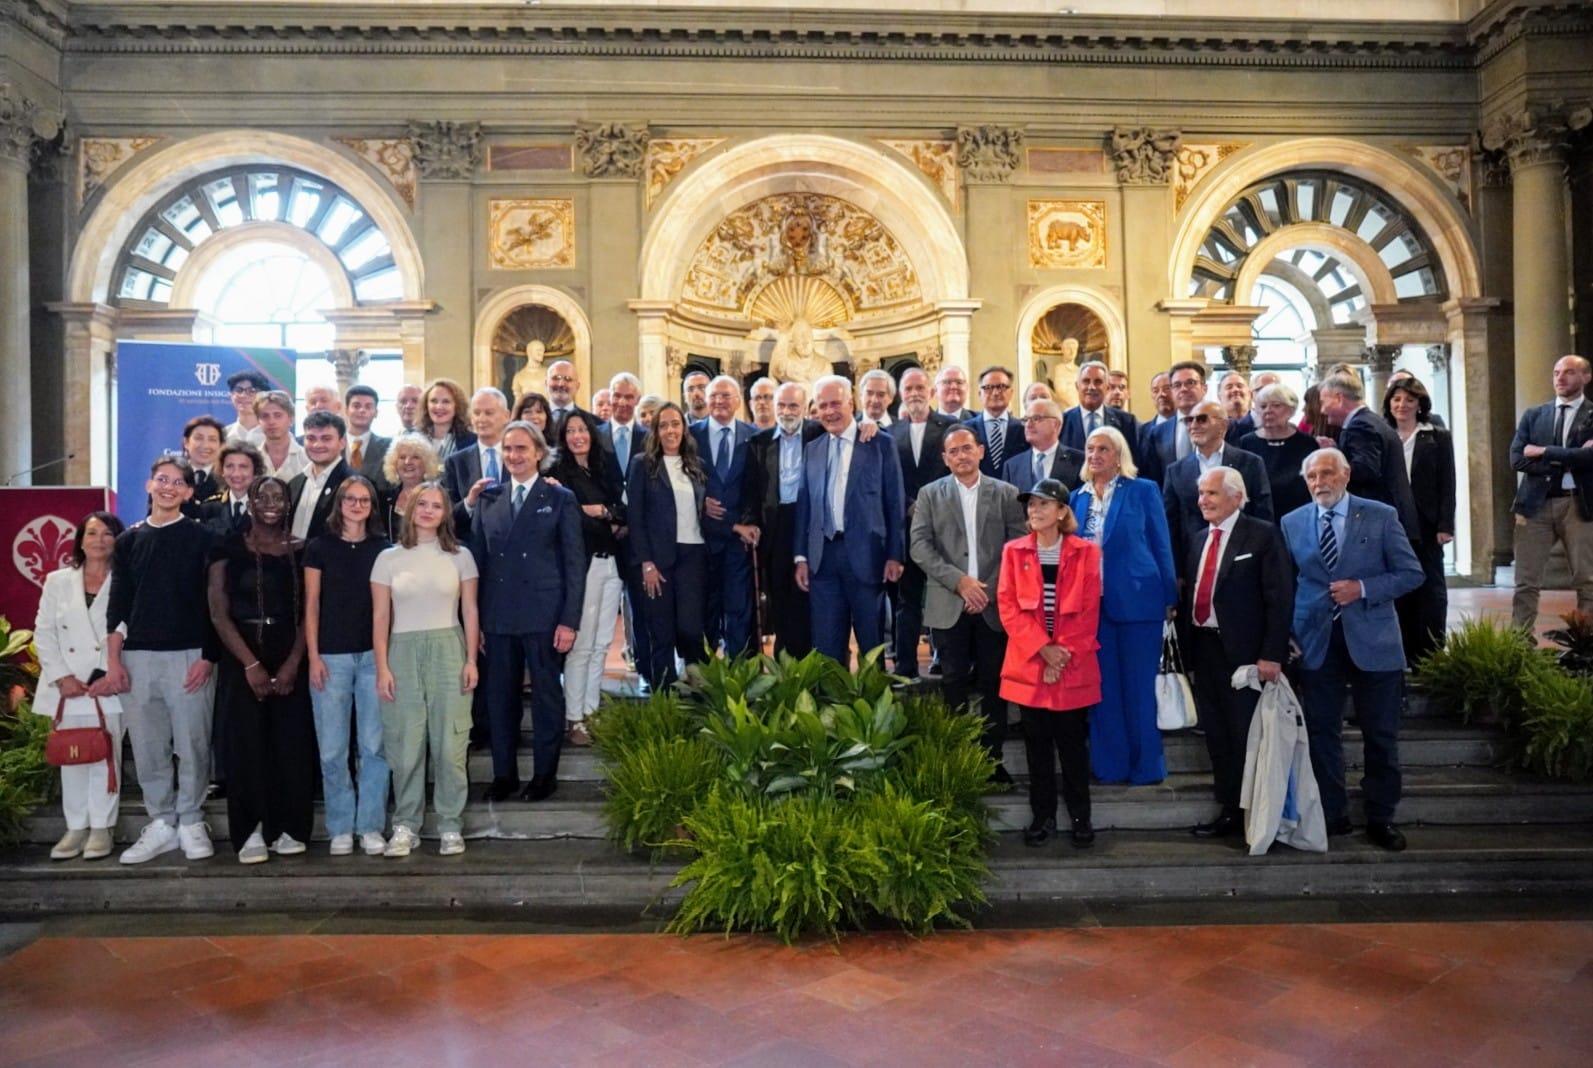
[(968, 496)]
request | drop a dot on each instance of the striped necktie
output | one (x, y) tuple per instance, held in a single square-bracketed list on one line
[(1329, 546), (996, 433)]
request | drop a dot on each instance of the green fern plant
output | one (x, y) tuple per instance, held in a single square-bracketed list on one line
[(620, 724), (649, 792), (1558, 724), (930, 861), (1478, 670)]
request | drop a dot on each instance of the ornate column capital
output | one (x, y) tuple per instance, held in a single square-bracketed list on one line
[(346, 364), (1144, 155), (1529, 137), (675, 363), (989, 154), (1239, 358), (446, 151), (1380, 358), (611, 149), (23, 123)]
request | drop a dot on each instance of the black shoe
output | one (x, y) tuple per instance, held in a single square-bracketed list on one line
[(1385, 836), (1224, 826), (933, 669), (539, 788), (1083, 834), (500, 790), (1001, 776), (1039, 832), (1339, 826)]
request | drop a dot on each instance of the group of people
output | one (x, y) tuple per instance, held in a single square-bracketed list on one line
[(402, 592)]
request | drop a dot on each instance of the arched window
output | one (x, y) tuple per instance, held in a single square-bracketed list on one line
[(268, 295)]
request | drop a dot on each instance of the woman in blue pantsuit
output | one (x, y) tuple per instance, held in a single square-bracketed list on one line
[(1124, 516)]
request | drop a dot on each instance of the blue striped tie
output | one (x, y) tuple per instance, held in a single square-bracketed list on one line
[(1329, 546)]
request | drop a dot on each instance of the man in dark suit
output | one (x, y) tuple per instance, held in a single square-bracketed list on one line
[(996, 429), (918, 431), (1236, 611), (951, 393), (526, 538), (1162, 399), (203, 436), (240, 463), (1180, 485), (313, 488), (563, 382), (722, 444), (1352, 559), (365, 451), (482, 460), (1551, 450), (851, 518), (1233, 391), (1376, 455), (1167, 443), (769, 502), (1047, 457), (620, 438), (1092, 411)]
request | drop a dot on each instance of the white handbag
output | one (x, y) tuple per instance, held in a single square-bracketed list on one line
[(1175, 701)]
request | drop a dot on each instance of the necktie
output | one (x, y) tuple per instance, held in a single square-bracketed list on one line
[(492, 463), (998, 442), (1093, 424), (722, 457), (1329, 546), (1208, 577), (622, 446), (237, 509), (519, 499), (1182, 437), (1039, 466), (1559, 425), (356, 455), (829, 486)]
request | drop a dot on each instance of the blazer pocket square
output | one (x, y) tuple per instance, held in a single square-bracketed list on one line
[(546, 509), (1246, 556)]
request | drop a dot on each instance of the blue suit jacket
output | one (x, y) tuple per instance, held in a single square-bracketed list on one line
[(1181, 494), (650, 511), (1014, 443), (876, 506), (1159, 450), (1373, 549), (1138, 580), (726, 488), (605, 439), (1073, 427), (462, 469), (1067, 467), (1548, 471), (533, 566)]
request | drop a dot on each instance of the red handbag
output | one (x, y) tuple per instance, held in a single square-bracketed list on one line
[(82, 745)]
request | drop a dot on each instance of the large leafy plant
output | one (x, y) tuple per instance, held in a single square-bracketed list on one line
[(25, 778)]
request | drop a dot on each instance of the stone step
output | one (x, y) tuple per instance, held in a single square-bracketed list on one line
[(569, 876), (1437, 796)]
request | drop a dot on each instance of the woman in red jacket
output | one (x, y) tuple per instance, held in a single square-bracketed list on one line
[(1049, 596)]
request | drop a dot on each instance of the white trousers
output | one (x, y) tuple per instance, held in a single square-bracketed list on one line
[(583, 667), (84, 800)]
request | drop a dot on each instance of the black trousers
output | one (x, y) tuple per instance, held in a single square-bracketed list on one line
[(677, 616), (1424, 611), (909, 618), (1224, 712), (971, 652), (1048, 738), (788, 616), (273, 760), (512, 655)]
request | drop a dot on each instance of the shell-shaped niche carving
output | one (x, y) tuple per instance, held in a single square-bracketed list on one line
[(529, 323), (1070, 322), (785, 300)]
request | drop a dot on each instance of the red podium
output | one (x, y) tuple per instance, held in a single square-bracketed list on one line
[(37, 525)]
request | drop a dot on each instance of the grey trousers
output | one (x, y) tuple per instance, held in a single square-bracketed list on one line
[(1558, 520), (166, 723)]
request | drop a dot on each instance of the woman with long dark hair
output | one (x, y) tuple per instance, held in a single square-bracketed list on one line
[(1430, 462), (667, 488), (534, 408), (256, 591)]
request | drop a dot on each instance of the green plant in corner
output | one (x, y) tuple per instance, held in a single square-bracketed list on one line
[(1575, 640), (1479, 668), (1558, 724), (25, 778), (649, 792)]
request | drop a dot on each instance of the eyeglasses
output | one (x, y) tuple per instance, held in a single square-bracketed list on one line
[(165, 482), (994, 387), (1202, 419), (366, 501), (1187, 383), (244, 389)]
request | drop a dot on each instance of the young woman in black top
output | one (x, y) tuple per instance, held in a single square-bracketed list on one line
[(586, 471)]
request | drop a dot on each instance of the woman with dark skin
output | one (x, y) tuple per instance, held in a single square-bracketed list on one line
[(256, 593)]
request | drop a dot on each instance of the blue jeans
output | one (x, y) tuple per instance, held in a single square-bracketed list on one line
[(351, 680)]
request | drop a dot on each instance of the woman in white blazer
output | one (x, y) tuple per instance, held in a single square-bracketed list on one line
[(70, 636)]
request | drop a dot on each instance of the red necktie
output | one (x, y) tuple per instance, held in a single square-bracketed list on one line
[(1208, 578)]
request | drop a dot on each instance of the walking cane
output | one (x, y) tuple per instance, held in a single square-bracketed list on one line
[(757, 596)]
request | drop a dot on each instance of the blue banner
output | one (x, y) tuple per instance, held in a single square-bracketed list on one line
[(160, 385)]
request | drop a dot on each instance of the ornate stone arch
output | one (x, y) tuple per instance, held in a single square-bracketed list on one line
[(503, 303), (1096, 300)]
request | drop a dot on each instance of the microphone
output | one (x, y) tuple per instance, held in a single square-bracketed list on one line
[(41, 467)]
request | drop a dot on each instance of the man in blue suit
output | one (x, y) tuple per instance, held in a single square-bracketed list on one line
[(1181, 484), (1351, 560), (851, 516), (722, 444), (1047, 457), (1167, 443), (1094, 379), (620, 438), (999, 433), (526, 538)]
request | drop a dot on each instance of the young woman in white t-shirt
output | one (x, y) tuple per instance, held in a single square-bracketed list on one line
[(420, 589)]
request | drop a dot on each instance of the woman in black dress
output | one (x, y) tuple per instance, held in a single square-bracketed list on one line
[(256, 592), (1430, 462), (1282, 448)]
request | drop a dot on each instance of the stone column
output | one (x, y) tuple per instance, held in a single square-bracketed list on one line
[(21, 123), (1482, 421), (89, 360), (346, 364), (1239, 358), (652, 349), (1537, 146), (988, 157), (446, 157), (1143, 159), (955, 329), (613, 155), (1380, 363)]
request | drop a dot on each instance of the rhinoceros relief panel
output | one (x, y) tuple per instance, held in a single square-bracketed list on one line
[(525, 234), (1067, 233)]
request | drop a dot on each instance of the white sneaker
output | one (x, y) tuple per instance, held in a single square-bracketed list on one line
[(401, 843), (254, 851), (453, 844), (342, 845), (287, 846), (156, 838), (373, 843), (195, 839)]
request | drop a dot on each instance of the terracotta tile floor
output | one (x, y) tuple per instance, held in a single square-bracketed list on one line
[(1491, 993)]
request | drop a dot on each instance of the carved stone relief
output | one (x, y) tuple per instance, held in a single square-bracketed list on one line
[(667, 157), (806, 236), (989, 153), (611, 149), (103, 156), (1193, 162), (1144, 155), (393, 157), (531, 233), (22, 121), (524, 342), (938, 161), (446, 151), (1536, 135), (1452, 163), (1067, 233)]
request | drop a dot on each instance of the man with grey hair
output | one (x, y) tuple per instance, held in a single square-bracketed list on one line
[(1352, 560), (483, 461), (1373, 448), (621, 437), (1078, 423), (1047, 456), (722, 446), (951, 393), (769, 502), (876, 389), (1180, 493), (760, 398), (563, 384), (1236, 612)]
